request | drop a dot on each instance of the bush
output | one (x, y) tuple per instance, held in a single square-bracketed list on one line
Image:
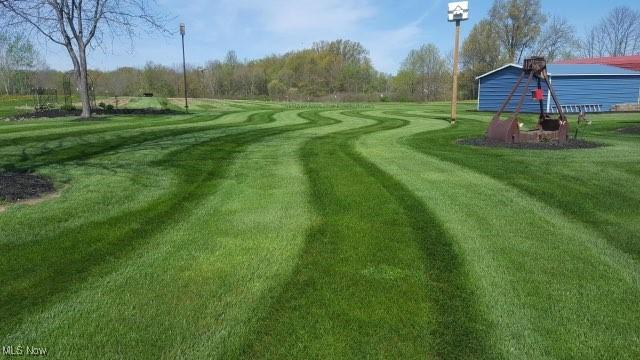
[(102, 105), (109, 108), (68, 107), (164, 104), (276, 89)]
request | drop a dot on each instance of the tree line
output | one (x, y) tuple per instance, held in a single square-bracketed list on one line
[(341, 70)]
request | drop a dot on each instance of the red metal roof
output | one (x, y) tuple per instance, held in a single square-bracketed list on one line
[(625, 62)]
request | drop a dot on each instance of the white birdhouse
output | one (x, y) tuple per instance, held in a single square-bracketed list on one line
[(459, 11)]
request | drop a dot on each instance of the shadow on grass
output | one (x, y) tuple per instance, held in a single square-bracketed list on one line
[(84, 128)]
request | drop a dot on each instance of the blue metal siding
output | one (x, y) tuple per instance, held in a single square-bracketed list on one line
[(495, 88), (602, 89)]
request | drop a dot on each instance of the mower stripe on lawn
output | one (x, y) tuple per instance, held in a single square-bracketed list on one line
[(539, 274), (378, 264)]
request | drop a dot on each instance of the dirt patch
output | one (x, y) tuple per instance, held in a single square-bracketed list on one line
[(571, 144), (34, 201), (630, 130), (17, 187), (122, 102), (54, 113)]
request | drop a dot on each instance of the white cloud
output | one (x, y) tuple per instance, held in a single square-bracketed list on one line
[(255, 28), (281, 17), (312, 15), (389, 47)]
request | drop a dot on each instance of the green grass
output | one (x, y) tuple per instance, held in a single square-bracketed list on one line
[(264, 230), (12, 105)]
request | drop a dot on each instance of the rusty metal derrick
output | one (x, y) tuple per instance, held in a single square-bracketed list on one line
[(549, 128)]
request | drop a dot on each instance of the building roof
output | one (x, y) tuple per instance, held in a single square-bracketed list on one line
[(575, 70), (625, 62), (587, 69)]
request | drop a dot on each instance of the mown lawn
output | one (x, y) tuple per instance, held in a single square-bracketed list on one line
[(12, 105), (265, 230)]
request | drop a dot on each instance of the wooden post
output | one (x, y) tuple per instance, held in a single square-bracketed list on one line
[(454, 95), (184, 69)]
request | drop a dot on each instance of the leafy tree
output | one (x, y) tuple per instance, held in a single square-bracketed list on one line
[(121, 82), (17, 54), (518, 23), (277, 90), (428, 69), (481, 53), (159, 80), (405, 85)]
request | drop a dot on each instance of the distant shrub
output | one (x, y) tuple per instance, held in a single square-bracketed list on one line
[(68, 107), (164, 104), (102, 105), (109, 108)]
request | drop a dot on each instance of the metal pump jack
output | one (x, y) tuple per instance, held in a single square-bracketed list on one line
[(549, 128)]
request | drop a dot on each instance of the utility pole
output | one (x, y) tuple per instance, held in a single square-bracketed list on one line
[(184, 68), (458, 12), (454, 95)]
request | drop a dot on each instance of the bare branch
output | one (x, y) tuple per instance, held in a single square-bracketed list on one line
[(618, 34), (65, 22)]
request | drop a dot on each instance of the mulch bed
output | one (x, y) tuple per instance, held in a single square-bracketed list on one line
[(571, 144), (630, 130), (54, 113), (21, 186)]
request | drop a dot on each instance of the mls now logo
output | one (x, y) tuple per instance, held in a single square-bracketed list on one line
[(12, 350), (21, 350)]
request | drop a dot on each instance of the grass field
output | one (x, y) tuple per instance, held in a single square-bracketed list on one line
[(267, 231)]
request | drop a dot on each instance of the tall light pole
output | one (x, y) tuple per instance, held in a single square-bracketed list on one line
[(458, 12), (184, 68)]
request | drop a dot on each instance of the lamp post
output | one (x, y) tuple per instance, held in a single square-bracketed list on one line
[(458, 11), (184, 68)]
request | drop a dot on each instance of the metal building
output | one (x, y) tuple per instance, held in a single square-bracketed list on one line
[(594, 87)]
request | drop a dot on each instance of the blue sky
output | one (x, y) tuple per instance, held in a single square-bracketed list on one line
[(255, 28)]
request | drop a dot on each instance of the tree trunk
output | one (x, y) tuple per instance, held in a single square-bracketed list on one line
[(83, 88), (83, 83), (5, 81)]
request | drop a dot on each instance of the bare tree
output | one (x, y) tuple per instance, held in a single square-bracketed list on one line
[(621, 31), (618, 34), (594, 44), (81, 25), (557, 40)]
